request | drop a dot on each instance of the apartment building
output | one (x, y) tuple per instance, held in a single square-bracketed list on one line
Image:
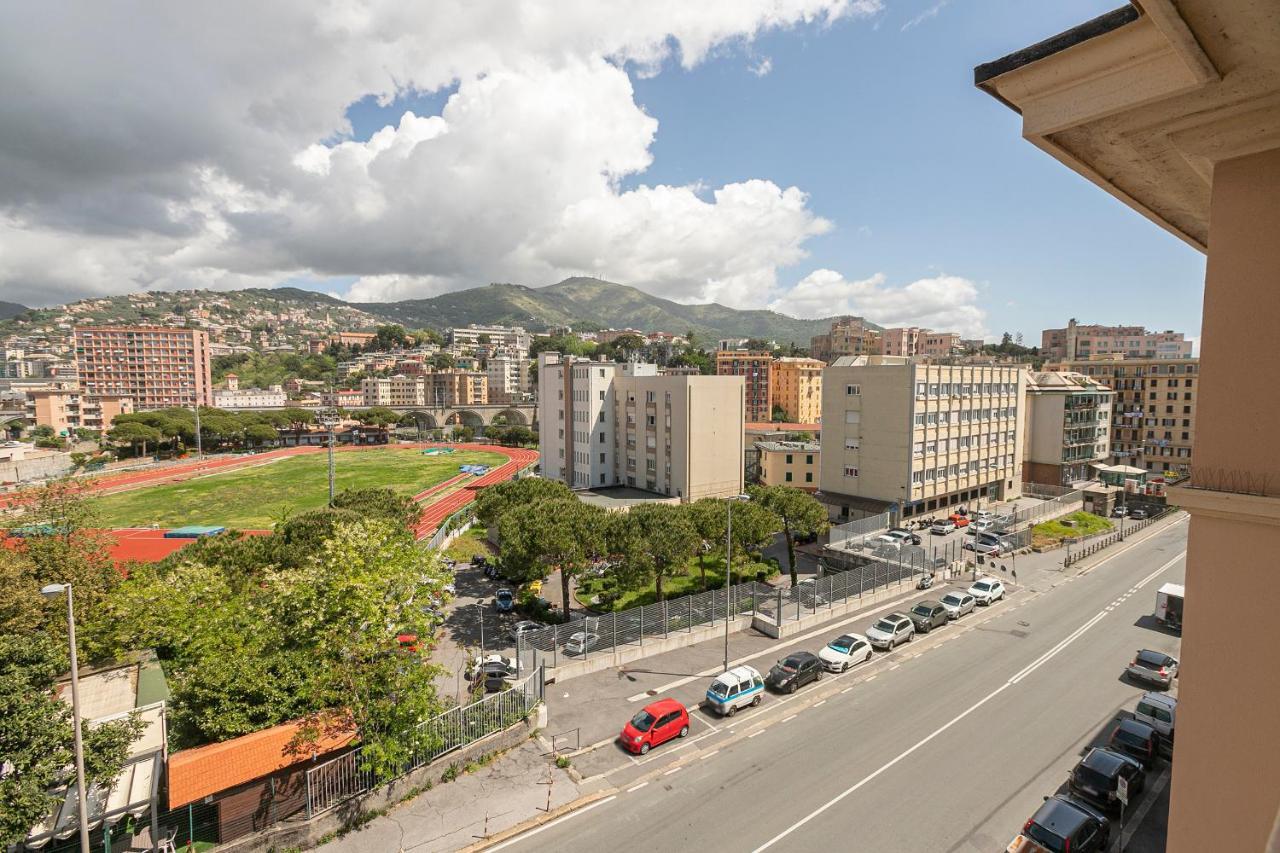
[(912, 341), (1068, 427), (1080, 343), (796, 388), (495, 337), (509, 380), (68, 409), (393, 391), (848, 336), (790, 463), (154, 366), (438, 388), (1153, 418), (754, 367), (605, 424), (919, 438)]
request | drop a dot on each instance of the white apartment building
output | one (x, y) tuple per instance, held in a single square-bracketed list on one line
[(509, 380), (605, 424), (497, 337), (251, 398), (394, 391), (1068, 427), (917, 439)]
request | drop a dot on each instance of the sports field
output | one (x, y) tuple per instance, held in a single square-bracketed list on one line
[(257, 497)]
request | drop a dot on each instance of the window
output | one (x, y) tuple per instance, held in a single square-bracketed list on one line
[(808, 459), (602, 438), (601, 395), (808, 476), (601, 458), (852, 390), (931, 475), (788, 458), (852, 417), (931, 447), (788, 477), (650, 397), (653, 420), (918, 419), (920, 389), (933, 389), (932, 419), (917, 449), (850, 471), (917, 476)]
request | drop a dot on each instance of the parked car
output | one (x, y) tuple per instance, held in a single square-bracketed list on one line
[(498, 676), (807, 593), (1138, 514), (581, 642), (1097, 776), (983, 515), (891, 630), (735, 688), (1063, 824), (987, 590), (958, 604), (656, 724), (794, 671), (505, 600), (1119, 511), (959, 519), (905, 535), (845, 651), (987, 543), (1153, 667), (1138, 740), (523, 628), (943, 527), (927, 615), (979, 525), (884, 541), (1158, 711)]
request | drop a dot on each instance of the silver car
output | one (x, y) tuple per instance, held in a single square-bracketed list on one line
[(581, 642), (1153, 667), (891, 630), (958, 604)]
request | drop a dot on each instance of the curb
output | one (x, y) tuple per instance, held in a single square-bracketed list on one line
[(534, 822)]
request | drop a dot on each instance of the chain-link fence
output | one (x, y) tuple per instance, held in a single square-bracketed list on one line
[(1051, 507), (344, 777), (844, 535)]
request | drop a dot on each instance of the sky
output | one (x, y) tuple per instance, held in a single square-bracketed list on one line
[(816, 157)]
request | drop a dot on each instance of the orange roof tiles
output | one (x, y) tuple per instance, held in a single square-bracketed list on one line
[(196, 773)]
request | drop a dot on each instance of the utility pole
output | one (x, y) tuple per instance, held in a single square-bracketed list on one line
[(328, 418)]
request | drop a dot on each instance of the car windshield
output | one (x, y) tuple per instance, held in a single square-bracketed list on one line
[(922, 610), (982, 586), (1092, 777), (789, 664), (886, 626), (1045, 838), (504, 594), (720, 689), (643, 721), (1130, 738), (951, 598), (841, 644)]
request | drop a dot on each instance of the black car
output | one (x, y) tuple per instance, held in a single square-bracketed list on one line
[(1138, 740), (1095, 777), (794, 671), (1066, 824), (928, 615)]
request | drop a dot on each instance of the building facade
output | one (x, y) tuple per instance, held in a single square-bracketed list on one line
[(1153, 419), (1080, 343), (605, 424), (754, 368), (509, 381), (918, 438), (68, 409), (796, 388), (1068, 428), (790, 463), (495, 337), (912, 341), (848, 336), (156, 367)]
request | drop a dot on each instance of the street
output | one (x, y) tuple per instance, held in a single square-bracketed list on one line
[(949, 745)]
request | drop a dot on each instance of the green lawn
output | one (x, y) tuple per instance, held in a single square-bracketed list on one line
[(1085, 524), (468, 545), (671, 588), (258, 497)]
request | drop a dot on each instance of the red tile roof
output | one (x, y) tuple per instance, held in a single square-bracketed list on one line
[(196, 773)]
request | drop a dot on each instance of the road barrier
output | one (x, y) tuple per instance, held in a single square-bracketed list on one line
[(1090, 545)]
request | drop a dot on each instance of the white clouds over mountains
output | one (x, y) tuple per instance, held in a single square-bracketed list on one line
[(944, 302), (206, 145)]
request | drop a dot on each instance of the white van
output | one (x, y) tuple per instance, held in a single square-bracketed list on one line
[(1158, 711), (737, 688)]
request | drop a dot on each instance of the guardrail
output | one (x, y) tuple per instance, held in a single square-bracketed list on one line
[(1090, 545)]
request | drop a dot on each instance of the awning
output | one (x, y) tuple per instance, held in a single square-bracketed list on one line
[(132, 793)]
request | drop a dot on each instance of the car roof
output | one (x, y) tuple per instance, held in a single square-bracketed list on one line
[(1060, 815), (1136, 727), (663, 706), (848, 638), (1104, 760), (1159, 699), (956, 593), (1153, 657), (797, 656), (896, 617), (739, 673)]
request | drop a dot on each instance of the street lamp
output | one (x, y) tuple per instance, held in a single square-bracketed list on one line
[(728, 569), (51, 591)]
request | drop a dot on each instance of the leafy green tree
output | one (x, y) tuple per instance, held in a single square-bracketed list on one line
[(564, 534), (443, 361), (800, 513), (708, 518), (666, 539), (377, 416), (378, 503), (493, 502), (260, 434), (135, 435), (567, 344)]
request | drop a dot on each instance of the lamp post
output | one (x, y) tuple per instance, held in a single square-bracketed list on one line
[(50, 591), (728, 569), (199, 442)]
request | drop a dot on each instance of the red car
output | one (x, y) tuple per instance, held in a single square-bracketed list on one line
[(657, 723), (959, 520)]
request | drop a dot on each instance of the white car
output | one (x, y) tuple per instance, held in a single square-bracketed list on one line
[(942, 528), (845, 651), (978, 526), (891, 630), (581, 642), (987, 590), (958, 603)]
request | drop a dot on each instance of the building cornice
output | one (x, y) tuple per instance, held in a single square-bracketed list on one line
[(1226, 505)]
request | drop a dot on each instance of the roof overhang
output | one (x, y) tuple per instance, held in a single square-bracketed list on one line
[(1144, 100)]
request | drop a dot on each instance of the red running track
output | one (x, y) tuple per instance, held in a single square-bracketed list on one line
[(435, 514)]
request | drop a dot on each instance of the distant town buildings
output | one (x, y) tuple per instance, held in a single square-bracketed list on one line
[(1080, 343), (66, 409), (1067, 429), (848, 336), (235, 397), (155, 366), (796, 388), (913, 341), (472, 337), (606, 424), (852, 336)]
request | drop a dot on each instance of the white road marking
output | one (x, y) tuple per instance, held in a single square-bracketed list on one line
[(636, 788), (847, 689), (871, 678), (754, 734), (895, 666), (555, 822), (1047, 656), (1151, 576), (673, 770), (820, 703), (709, 754), (789, 719)]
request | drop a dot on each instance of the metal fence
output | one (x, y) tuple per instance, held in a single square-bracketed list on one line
[(344, 777), (1050, 507), (1087, 546), (842, 535), (1045, 490)]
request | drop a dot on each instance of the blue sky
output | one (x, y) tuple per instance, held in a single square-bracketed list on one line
[(919, 171)]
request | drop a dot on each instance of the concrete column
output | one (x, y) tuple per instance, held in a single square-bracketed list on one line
[(1226, 772)]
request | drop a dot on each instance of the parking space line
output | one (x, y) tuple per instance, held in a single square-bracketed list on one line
[(895, 666), (754, 734), (636, 788), (819, 704), (847, 689), (522, 836), (673, 770), (789, 719)]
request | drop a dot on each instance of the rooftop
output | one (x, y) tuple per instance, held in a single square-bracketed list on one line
[(617, 498), (791, 446)]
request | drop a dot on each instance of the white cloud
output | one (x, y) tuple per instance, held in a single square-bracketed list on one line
[(207, 145), (946, 303), (927, 14), (762, 66)]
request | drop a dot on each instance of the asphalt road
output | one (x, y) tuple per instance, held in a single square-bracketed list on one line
[(948, 748)]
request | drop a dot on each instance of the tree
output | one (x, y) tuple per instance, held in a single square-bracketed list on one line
[(779, 414), (260, 434), (564, 534), (801, 515), (389, 337), (378, 503), (667, 539), (708, 518), (377, 416), (495, 501), (443, 361), (134, 434)]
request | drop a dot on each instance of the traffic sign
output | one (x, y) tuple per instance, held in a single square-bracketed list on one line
[(1122, 790)]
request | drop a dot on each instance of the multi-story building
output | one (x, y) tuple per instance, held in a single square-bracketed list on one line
[(494, 337), (606, 424), (796, 388), (1153, 418), (235, 397), (68, 408), (456, 387), (753, 366), (393, 391), (848, 336), (789, 463), (154, 366), (509, 380), (912, 341), (1080, 343), (351, 339), (1068, 427), (917, 438)]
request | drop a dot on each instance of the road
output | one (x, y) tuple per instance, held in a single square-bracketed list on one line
[(950, 747)]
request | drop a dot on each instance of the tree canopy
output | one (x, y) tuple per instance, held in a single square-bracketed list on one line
[(801, 514)]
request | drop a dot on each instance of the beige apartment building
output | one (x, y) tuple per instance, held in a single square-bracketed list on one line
[(69, 409), (796, 388), (155, 366), (1174, 109), (605, 424), (848, 336), (790, 463), (918, 438), (1080, 343), (1068, 426), (1153, 419), (912, 341), (754, 368), (439, 388)]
